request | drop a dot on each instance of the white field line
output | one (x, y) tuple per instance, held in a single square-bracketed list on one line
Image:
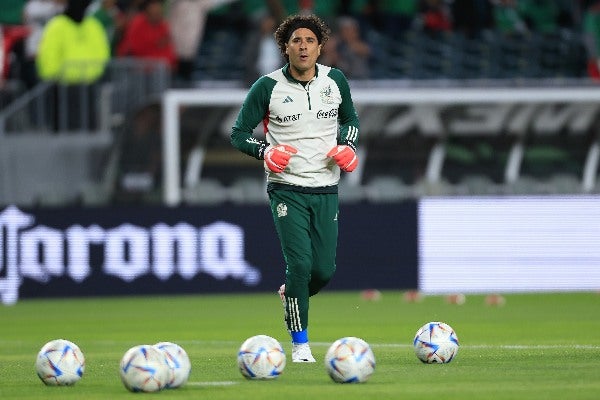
[(502, 346), (223, 383), (488, 346), (409, 345), (536, 347), (374, 345)]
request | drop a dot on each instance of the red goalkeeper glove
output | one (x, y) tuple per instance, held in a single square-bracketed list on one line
[(278, 157), (345, 157)]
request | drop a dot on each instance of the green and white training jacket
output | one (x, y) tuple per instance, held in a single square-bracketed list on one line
[(313, 118)]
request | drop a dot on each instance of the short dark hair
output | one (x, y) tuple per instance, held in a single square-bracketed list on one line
[(145, 3), (293, 22)]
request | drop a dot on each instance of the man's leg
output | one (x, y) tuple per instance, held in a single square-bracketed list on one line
[(324, 238), (292, 222)]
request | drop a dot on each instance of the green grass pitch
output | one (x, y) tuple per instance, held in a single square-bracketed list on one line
[(536, 346)]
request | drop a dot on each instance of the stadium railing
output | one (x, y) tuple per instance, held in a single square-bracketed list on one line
[(54, 150)]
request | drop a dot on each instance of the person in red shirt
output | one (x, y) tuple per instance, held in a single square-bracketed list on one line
[(148, 35), (435, 16)]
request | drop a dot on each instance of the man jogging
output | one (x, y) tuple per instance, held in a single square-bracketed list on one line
[(311, 129)]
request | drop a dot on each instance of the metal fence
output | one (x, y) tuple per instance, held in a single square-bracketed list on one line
[(52, 107), (59, 143)]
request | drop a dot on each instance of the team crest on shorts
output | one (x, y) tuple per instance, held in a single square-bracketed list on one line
[(281, 210)]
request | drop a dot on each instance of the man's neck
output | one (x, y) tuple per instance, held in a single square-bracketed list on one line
[(303, 76)]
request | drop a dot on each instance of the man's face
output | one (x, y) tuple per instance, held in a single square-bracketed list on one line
[(154, 11), (303, 49)]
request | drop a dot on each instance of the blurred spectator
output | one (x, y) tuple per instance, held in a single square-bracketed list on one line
[(111, 18), (139, 172), (591, 32), (36, 15), (506, 18), (73, 52), (127, 9), (12, 12), (540, 15), (471, 17), (3, 57), (262, 53), (570, 13), (254, 10), (391, 16), (328, 10), (73, 47), (187, 19), (10, 80), (12, 34), (435, 16), (329, 55), (13, 37), (148, 36), (353, 53)]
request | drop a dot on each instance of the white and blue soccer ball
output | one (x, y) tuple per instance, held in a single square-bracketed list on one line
[(60, 362), (144, 368), (261, 357), (179, 362), (436, 343), (350, 360)]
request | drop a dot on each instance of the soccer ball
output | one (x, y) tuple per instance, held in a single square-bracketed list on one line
[(261, 357), (436, 342), (178, 361), (60, 363), (144, 368), (350, 360)]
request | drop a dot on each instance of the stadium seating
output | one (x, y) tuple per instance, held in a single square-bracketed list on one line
[(418, 55), (395, 164)]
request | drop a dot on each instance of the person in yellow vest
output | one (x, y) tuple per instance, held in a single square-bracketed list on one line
[(73, 52), (74, 47)]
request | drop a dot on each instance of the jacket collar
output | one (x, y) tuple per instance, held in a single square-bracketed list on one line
[(288, 75)]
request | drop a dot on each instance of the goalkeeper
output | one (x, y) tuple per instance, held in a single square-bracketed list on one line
[(311, 129)]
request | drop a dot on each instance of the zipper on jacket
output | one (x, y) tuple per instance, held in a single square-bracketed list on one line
[(308, 94)]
